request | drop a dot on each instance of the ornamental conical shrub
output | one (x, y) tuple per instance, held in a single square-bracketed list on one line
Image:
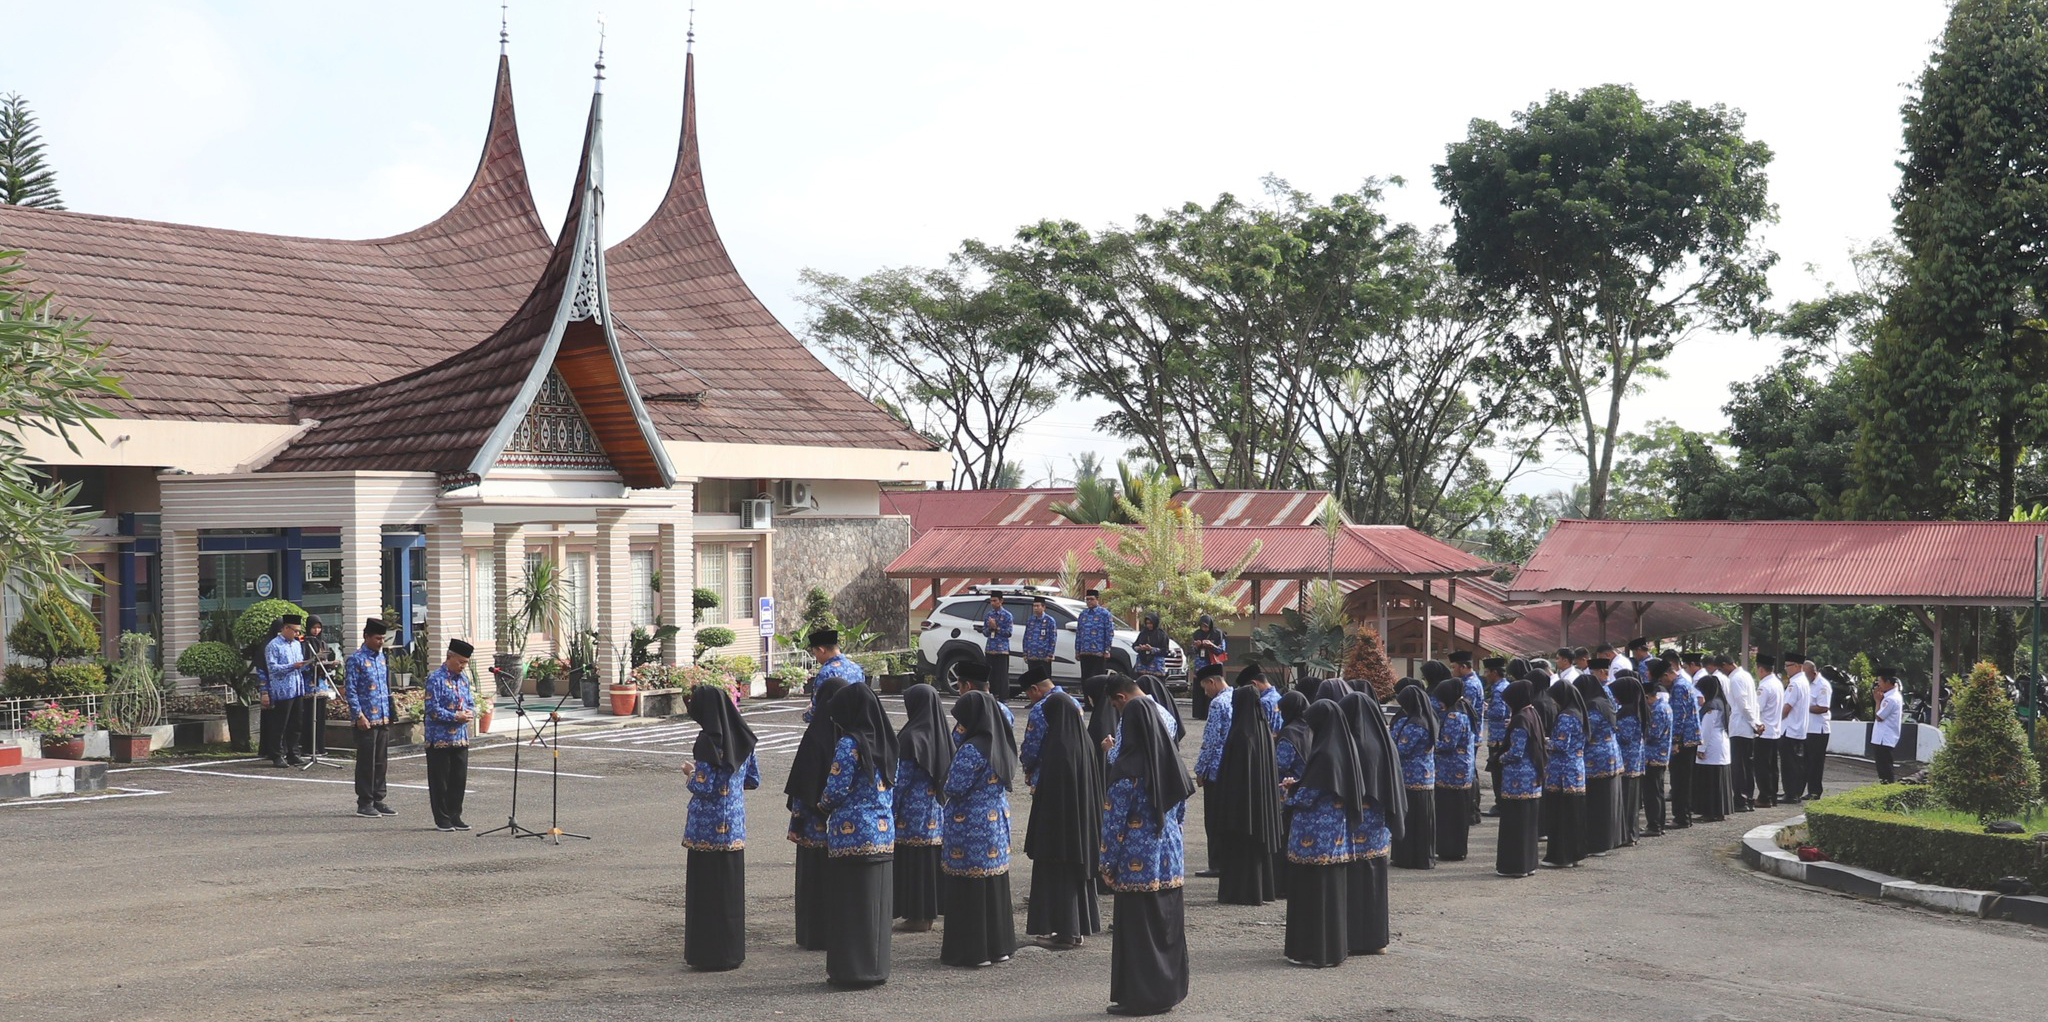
[(1984, 767), (1367, 660)]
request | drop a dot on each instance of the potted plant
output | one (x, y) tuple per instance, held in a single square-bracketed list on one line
[(134, 701), (542, 671), (660, 687), (61, 731), (217, 664), (786, 679), (537, 606), (625, 697), (482, 694), (583, 665)]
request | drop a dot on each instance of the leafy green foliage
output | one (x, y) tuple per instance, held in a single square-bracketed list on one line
[(1872, 828), (254, 624), (701, 600), (539, 604), (1311, 649), (1156, 564), (641, 643), (213, 663), (1984, 766), (1617, 227), (54, 628), (713, 637), (59, 680), (25, 179), (1865, 677)]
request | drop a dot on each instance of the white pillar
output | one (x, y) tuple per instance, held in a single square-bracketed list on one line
[(614, 556), (508, 548), (678, 566), (362, 581), (178, 595), (447, 577)]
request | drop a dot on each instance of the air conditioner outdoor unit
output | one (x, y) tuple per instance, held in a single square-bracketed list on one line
[(793, 493), (757, 514)]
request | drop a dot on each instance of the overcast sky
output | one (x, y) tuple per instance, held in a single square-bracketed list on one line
[(853, 135)]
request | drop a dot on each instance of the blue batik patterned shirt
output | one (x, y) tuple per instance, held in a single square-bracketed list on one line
[(1041, 637), (1685, 712), (1564, 769), (1497, 713), (1034, 733), (1287, 761), (1657, 746), (1372, 838), (1603, 753), (997, 626), (1269, 700), (1518, 775), (916, 801), (862, 820), (1214, 731), (977, 817), (1094, 631), (1628, 733), (1453, 749), (447, 695), (716, 820), (1418, 753), (1318, 832), (1475, 701), (1136, 855), (365, 684)]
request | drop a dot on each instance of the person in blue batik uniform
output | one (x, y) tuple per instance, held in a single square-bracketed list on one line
[(860, 840), (1631, 727), (997, 626), (1685, 739), (1034, 725), (924, 752), (1657, 745), (1324, 804), (1564, 779), (1522, 760), (1454, 780), (1142, 864), (284, 667), (1474, 694), (364, 685), (720, 769), (808, 772), (1385, 812), (449, 708), (980, 929), (1215, 732), (824, 646), (1041, 644), (1415, 728), (1493, 677), (1269, 697), (1094, 632), (1604, 828)]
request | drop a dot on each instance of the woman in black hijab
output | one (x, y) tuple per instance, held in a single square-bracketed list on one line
[(806, 785), (1521, 783), (1248, 806), (1713, 789), (1415, 730), (925, 750), (1605, 828), (1564, 780), (1454, 774), (860, 840), (1328, 802), (1142, 856), (720, 769), (1155, 686), (980, 928), (1384, 816), (1291, 748), (1064, 835)]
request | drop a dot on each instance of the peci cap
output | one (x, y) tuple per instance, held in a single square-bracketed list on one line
[(1250, 672), (461, 648), (374, 627), (291, 619), (823, 638)]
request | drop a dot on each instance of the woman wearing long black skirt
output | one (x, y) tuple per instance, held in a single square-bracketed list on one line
[(1603, 766), (1291, 748), (1415, 730), (1328, 800), (1064, 837), (1713, 796), (1247, 804), (1455, 776), (721, 767), (1521, 784), (980, 929), (1142, 860), (1384, 815), (924, 751), (1564, 780), (806, 785), (860, 840)]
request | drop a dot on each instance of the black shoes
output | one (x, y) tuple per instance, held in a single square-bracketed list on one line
[(445, 828), (277, 761), (383, 810), (459, 825), (1209, 874), (367, 813)]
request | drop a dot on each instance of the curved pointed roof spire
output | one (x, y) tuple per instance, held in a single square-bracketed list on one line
[(499, 191)]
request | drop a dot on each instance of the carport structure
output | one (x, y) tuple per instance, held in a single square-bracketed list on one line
[(1620, 566)]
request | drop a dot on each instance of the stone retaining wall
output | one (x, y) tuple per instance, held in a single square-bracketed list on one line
[(846, 557)]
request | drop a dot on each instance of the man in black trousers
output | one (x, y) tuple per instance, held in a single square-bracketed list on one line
[(368, 690)]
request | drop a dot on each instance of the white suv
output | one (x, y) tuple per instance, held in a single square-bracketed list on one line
[(952, 636)]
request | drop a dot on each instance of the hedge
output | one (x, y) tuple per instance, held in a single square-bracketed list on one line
[(63, 680), (1866, 828)]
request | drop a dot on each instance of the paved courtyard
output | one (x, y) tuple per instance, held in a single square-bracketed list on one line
[(230, 889)]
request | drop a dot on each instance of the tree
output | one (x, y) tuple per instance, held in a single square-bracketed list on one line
[(54, 628), (1098, 500), (25, 180), (50, 372), (1616, 228), (1156, 564), (1984, 765), (1959, 376), (955, 359), (1366, 661)]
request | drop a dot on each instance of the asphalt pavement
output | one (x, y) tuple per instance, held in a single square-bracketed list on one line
[(232, 889)]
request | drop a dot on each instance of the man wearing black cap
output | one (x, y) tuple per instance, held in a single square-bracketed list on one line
[(284, 661), (1475, 703), (968, 677), (824, 647), (997, 625), (1093, 633), (1041, 645), (1493, 680), (1792, 736), (1209, 762), (449, 708), (365, 686)]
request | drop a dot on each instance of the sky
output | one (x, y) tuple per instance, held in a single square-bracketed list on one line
[(849, 136)]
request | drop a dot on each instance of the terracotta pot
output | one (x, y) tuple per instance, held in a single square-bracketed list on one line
[(483, 723), (624, 701), (776, 689), (70, 748), (128, 748)]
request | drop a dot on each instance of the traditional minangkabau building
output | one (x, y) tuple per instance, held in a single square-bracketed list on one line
[(408, 422)]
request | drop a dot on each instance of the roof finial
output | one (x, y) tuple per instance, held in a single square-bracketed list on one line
[(504, 20), (690, 37), (600, 51)]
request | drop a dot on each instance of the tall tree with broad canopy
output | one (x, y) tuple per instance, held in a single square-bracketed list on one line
[(1958, 379), (1616, 228), (25, 179)]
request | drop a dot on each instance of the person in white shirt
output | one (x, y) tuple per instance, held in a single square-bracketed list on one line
[(1891, 710), (1742, 731), (1769, 727), (1819, 724), (1792, 739), (1713, 796), (1577, 665)]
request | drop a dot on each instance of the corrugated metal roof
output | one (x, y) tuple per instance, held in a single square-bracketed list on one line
[(943, 509), (1947, 563), (1285, 552)]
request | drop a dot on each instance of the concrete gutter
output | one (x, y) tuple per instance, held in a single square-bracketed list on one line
[(1760, 852)]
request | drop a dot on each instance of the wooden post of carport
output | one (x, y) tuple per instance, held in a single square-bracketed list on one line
[(1742, 655), (1379, 591), (1428, 632)]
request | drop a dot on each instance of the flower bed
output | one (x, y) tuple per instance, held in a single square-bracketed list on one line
[(1876, 828)]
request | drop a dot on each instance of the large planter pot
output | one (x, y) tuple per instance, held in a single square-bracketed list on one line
[(589, 686), (69, 748), (894, 684), (510, 670), (483, 723), (661, 702), (624, 700), (776, 689), (198, 729), (126, 748), (238, 727)]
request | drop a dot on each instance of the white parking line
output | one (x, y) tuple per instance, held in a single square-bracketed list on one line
[(542, 771), (111, 793), (194, 772)]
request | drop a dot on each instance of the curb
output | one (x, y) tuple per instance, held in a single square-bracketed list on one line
[(1760, 852)]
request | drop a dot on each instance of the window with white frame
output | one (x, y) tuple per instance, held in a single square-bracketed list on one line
[(483, 596), (741, 585), (711, 575), (581, 593), (643, 587)]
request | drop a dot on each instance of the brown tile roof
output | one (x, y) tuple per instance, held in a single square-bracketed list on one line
[(712, 362)]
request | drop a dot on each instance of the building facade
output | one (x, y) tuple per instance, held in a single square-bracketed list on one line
[(403, 425)]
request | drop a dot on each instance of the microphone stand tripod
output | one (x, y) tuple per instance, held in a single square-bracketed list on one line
[(321, 670), (512, 820), (552, 743)]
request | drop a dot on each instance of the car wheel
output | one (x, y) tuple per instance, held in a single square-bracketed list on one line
[(1121, 661), (949, 670)]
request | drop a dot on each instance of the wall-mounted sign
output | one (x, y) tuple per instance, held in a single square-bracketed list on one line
[(264, 586), (319, 571)]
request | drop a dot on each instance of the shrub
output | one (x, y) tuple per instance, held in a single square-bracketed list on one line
[(254, 623), (52, 629), (1984, 767), (60, 723), (701, 600), (1867, 828), (134, 698), (1864, 677), (213, 663), (60, 680), (714, 637)]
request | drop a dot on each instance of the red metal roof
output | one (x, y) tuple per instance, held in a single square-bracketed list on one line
[(1285, 552), (1947, 563), (942, 509)]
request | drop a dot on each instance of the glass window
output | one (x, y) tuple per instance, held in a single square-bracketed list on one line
[(741, 585), (576, 573), (971, 610), (711, 575), (643, 587), (320, 590), (483, 595)]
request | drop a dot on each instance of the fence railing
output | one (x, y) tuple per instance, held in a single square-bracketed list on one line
[(15, 710)]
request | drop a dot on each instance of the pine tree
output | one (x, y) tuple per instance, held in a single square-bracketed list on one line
[(1984, 766), (1156, 564), (1366, 661), (24, 179)]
